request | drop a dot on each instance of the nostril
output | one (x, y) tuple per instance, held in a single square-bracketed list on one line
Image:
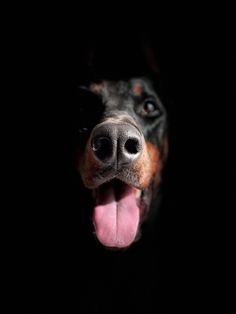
[(102, 147), (133, 146)]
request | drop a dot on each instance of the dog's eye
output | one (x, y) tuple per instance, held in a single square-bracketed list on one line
[(150, 108)]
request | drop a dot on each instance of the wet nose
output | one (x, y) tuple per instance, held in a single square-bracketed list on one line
[(120, 144)]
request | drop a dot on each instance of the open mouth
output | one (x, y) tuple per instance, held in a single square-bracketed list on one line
[(117, 213)]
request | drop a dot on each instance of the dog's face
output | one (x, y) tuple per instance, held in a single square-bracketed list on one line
[(122, 156)]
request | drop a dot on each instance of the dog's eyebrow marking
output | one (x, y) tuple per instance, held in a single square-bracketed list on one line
[(96, 87), (138, 90)]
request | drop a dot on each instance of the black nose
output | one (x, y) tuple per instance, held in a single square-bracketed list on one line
[(120, 144)]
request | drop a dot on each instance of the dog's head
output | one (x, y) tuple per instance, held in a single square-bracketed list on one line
[(122, 157)]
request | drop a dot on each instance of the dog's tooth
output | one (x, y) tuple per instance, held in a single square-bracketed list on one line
[(138, 193)]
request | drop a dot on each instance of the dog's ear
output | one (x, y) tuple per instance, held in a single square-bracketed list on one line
[(131, 55), (149, 55)]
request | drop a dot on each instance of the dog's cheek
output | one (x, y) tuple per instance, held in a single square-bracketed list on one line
[(156, 165), (148, 166), (87, 167), (79, 163), (165, 150)]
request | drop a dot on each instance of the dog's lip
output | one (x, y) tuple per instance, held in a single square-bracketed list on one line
[(108, 174)]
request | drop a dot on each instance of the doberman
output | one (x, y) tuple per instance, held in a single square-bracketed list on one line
[(122, 157)]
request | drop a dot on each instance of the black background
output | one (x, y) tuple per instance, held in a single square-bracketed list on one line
[(49, 251)]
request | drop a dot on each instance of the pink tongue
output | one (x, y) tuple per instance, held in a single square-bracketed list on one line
[(116, 222)]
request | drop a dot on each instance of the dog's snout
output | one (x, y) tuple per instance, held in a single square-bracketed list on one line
[(116, 143)]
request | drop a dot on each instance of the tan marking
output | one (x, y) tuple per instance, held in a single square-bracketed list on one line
[(156, 162), (88, 167), (138, 90), (165, 149), (96, 88), (148, 166)]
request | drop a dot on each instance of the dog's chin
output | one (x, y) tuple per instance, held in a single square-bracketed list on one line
[(117, 214)]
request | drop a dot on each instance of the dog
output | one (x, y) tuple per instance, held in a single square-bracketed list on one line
[(123, 148)]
